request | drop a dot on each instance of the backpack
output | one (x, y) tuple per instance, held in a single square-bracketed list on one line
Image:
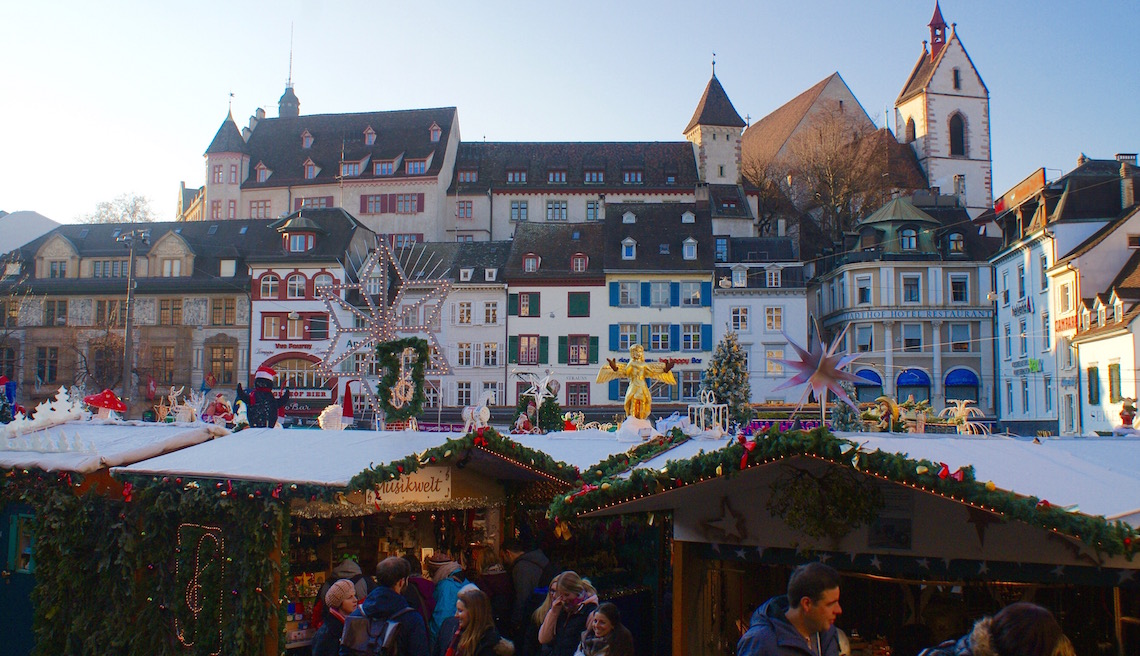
[(366, 636)]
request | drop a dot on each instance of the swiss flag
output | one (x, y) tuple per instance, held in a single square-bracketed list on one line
[(151, 388)]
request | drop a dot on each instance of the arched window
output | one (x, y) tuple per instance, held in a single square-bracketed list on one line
[(295, 287), (957, 243), (910, 130), (578, 263), (908, 239), (530, 263), (269, 286), (957, 136), (322, 280)]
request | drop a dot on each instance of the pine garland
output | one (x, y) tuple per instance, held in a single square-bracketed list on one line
[(388, 357), (620, 462)]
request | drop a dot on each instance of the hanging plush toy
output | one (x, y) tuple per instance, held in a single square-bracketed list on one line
[(265, 409)]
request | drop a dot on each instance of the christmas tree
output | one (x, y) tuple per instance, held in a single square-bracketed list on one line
[(549, 416), (5, 408), (727, 377), (843, 416)]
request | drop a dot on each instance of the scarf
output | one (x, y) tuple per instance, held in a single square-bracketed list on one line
[(445, 570), (593, 645), (453, 646)]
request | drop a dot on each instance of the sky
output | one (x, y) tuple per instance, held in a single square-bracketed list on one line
[(102, 99)]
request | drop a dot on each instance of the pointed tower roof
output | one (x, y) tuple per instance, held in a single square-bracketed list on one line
[(715, 109), (937, 31), (937, 20), (228, 139), (288, 106)]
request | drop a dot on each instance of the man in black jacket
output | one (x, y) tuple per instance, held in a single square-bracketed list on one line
[(387, 600), (529, 576), (801, 622)]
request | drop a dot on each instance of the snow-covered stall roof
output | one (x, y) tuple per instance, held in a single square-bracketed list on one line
[(87, 446), (581, 449)]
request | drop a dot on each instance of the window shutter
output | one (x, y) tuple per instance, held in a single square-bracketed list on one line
[(452, 313), (477, 355), (706, 337), (646, 295), (675, 337), (480, 311), (513, 349), (419, 202), (383, 203), (544, 350), (615, 294), (614, 390), (535, 308), (675, 294), (513, 304), (563, 349), (593, 350), (706, 294), (363, 203), (329, 201), (615, 336), (296, 204), (645, 336)]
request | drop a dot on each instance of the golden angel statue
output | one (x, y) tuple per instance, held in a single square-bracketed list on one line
[(638, 400)]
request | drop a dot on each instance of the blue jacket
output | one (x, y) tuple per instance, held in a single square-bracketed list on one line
[(771, 634), (446, 594), (381, 604)]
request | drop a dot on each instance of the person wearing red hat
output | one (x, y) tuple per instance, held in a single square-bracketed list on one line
[(264, 408)]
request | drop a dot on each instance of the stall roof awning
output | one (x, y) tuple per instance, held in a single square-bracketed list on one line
[(87, 446), (582, 449)]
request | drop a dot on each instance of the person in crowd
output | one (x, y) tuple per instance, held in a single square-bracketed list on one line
[(562, 627), (340, 601), (420, 592), (803, 619), (472, 632), (606, 635), (448, 578), (1019, 629), (528, 568), (493, 579), (527, 644), (347, 569), (387, 601)]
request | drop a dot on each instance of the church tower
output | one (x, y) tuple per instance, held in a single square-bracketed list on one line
[(715, 132), (943, 112)]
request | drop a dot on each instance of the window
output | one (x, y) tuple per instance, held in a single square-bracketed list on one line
[(270, 327), (369, 136), (162, 364), (262, 173), (1009, 395), (691, 336), (222, 311), (740, 319), (629, 294), (528, 304), (516, 176), (468, 175), (171, 268), (55, 313), (578, 263), (1046, 333), (959, 337), (1008, 342), (912, 336), (740, 277), (957, 244), (594, 176), (383, 168), (908, 239), (295, 286), (773, 318), (528, 349), (659, 337), (110, 313), (215, 209), (415, 167), (579, 349), (721, 251), (9, 315), (295, 328), (259, 209), (864, 338), (431, 393), (628, 249), (306, 139), (1114, 394), (464, 313), (1021, 281), (491, 313), (435, 133), (690, 294), (957, 136), (632, 176), (170, 312), (1048, 394), (659, 294), (530, 263), (959, 288), (1025, 395), (518, 210), (1005, 287), (690, 384), (863, 290), (349, 169), (222, 364), (407, 203), (772, 357), (627, 335), (47, 364), (910, 130), (912, 289), (57, 269), (592, 207), (556, 176), (577, 394), (1066, 300), (689, 249), (490, 354), (773, 278), (1093, 374), (957, 78), (463, 354), (216, 174), (231, 212), (578, 304), (464, 209), (269, 286), (310, 170), (1023, 336), (556, 210)]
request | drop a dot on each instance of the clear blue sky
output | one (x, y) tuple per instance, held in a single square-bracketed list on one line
[(99, 99)]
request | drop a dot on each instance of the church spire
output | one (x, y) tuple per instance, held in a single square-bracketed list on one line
[(937, 32)]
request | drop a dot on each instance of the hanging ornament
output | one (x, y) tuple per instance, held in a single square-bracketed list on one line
[(921, 469), (944, 472)]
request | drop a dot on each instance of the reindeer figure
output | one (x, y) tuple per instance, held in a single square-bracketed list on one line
[(477, 416)]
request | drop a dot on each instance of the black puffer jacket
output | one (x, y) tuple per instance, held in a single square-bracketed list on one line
[(978, 642)]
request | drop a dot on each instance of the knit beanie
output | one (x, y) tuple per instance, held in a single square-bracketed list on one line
[(338, 592)]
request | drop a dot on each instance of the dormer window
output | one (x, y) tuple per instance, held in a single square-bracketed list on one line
[(728, 203), (629, 246), (369, 136), (489, 274), (773, 278), (663, 249), (578, 263), (530, 263), (595, 176), (468, 175), (556, 176), (632, 176), (261, 172), (629, 217), (415, 166), (383, 168), (689, 251), (957, 243), (435, 132), (1101, 316), (465, 274), (1118, 311), (306, 139), (299, 242), (349, 169), (516, 176), (908, 239), (688, 217), (310, 169), (740, 277)]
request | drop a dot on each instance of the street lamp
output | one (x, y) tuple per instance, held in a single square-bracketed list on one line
[(130, 240)]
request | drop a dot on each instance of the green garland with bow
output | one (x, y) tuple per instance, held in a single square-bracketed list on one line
[(388, 357)]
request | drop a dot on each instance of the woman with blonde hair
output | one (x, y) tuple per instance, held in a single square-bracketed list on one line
[(475, 633), (573, 601)]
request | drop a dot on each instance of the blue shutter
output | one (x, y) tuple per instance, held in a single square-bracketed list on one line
[(615, 336), (645, 294), (615, 295), (706, 294), (675, 294), (674, 337), (614, 390), (706, 337)]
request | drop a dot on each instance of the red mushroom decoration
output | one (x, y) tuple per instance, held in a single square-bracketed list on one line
[(106, 401)]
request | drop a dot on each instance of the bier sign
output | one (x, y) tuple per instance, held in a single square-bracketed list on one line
[(425, 485)]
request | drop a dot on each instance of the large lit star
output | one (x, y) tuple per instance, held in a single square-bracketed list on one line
[(539, 387), (822, 369)]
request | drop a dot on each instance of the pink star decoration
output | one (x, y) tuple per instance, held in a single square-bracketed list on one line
[(821, 369)]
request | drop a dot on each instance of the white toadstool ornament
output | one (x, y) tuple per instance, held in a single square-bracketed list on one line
[(106, 402)]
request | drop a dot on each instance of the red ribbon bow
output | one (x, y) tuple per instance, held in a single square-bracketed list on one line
[(128, 489), (944, 473), (586, 488), (276, 494), (480, 439), (958, 475), (748, 448)]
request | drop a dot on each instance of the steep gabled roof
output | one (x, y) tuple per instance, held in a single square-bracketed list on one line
[(1127, 282), (657, 225), (480, 256), (715, 109), (555, 244), (1097, 237), (227, 139), (920, 75)]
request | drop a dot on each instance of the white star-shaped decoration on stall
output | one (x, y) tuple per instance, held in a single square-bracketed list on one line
[(876, 564), (924, 563), (1125, 576), (984, 568), (741, 554), (1058, 571), (383, 287), (730, 525), (760, 551), (824, 557)]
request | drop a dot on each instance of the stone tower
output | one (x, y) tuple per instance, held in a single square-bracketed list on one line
[(715, 131)]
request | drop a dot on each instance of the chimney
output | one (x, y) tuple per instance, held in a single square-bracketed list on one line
[(1127, 183), (1126, 157), (701, 193)]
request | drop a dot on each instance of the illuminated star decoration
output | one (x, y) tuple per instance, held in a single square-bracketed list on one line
[(383, 317), (539, 387), (822, 370)]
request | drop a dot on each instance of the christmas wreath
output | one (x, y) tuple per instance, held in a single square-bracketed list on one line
[(388, 357)]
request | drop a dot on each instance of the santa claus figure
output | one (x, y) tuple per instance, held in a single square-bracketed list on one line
[(264, 407), (218, 411)]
